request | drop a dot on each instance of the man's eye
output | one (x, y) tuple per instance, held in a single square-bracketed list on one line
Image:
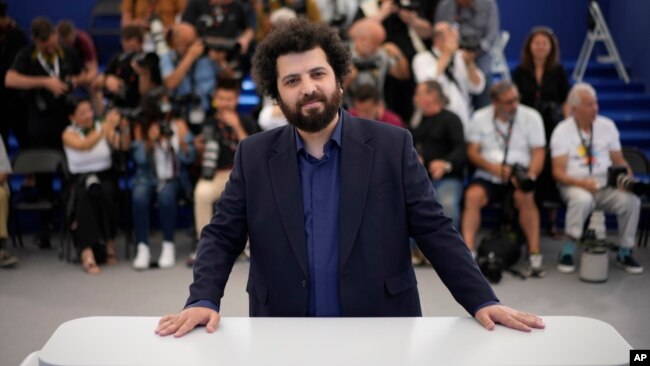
[(318, 75), (290, 81)]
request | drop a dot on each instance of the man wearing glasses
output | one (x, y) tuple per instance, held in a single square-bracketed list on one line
[(501, 136)]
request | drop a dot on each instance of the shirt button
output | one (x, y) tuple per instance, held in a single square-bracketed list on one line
[(304, 283)]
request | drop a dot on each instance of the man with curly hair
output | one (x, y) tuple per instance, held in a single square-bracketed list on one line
[(328, 203)]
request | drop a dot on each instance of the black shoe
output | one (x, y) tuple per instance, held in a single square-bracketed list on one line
[(536, 272), (43, 242), (6, 259), (565, 263), (629, 264)]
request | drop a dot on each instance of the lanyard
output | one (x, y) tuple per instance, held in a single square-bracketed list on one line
[(587, 149), (505, 137), (53, 72)]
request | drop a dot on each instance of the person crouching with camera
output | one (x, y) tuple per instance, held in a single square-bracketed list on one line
[(502, 139), (216, 147), (92, 211), (583, 147), (162, 151)]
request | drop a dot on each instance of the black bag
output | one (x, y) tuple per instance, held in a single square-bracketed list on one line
[(497, 253)]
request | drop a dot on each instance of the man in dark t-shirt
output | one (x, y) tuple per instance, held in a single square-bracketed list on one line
[(80, 42), (48, 72), (440, 142)]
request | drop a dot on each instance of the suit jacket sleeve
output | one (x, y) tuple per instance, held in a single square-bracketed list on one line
[(439, 241), (222, 240)]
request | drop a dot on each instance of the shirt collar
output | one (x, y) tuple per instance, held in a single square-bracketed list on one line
[(336, 135)]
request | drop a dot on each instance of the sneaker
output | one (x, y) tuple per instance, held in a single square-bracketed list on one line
[(629, 264), (565, 263), (536, 270), (167, 257), (142, 257), (6, 259)]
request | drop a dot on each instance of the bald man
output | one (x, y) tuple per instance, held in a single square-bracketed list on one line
[(372, 58), (187, 71)]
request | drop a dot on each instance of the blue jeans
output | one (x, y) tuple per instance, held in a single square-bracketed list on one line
[(143, 196), (449, 192)]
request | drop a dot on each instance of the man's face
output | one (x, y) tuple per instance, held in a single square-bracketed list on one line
[(444, 33), (366, 109), (588, 108), (308, 96), (131, 45), (427, 100), (68, 41), (506, 104), (225, 100), (48, 46)]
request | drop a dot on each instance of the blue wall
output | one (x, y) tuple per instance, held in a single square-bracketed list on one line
[(627, 20), (630, 28)]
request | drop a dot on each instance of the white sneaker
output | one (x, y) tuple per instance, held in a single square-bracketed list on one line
[(167, 255), (142, 258)]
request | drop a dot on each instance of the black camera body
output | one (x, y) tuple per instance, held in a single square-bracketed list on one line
[(226, 45), (366, 64), (469, 42), (408, 5), (617, 177), (520, 173)]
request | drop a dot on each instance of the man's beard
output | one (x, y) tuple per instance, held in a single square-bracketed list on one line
[(316, 120)]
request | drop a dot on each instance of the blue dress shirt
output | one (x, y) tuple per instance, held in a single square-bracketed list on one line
[(320, 198)]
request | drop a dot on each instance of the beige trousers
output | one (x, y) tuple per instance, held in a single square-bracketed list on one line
[(4, 211), (206, 194)]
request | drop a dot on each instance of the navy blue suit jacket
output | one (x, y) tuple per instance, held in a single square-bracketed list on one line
[(386, 197)]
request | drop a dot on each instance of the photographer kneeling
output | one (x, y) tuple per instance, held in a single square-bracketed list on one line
[(500, 137), (584, 146), (162, 151), (87, 145)]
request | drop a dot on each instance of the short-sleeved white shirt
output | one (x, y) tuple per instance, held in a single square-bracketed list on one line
[(527, 133), (566, 141)]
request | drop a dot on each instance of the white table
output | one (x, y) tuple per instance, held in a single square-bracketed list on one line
[(334, 342)]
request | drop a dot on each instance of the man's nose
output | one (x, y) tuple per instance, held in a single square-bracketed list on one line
[(308, 86)]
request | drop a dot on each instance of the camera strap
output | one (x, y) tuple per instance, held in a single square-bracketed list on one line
[(505, 137), (448, 70), (53, 71), (586, 149)]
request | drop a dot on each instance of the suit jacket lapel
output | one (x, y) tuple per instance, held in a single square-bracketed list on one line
[(285, 181), (356, 165)]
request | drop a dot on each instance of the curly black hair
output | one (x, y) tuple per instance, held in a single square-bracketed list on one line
[(297, 36)]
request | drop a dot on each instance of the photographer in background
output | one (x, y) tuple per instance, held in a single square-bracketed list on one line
[(367, 104), (584, 146), (81, 42), (48, 72), (230, 25), (506, 144), (454, 68), (216, 147), (162, 151), (372, 59), (189, 74), (88, 146), (478, 24), (120, 80), (264, 8)]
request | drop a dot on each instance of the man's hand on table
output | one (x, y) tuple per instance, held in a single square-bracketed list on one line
[(186, 320), (508, 317)]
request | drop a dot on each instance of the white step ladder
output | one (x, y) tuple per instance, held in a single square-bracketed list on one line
[(600, 32)]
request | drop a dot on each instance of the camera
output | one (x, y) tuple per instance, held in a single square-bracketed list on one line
[(491, 267), (211, 154), (526, 183), (226, 45), (469, 42), (366, 64), (408, 5), (617, 178)]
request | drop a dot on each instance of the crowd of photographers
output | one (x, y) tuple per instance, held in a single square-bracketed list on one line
[(164, 113)]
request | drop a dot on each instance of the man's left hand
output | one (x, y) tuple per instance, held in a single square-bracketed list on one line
[(511, 318)]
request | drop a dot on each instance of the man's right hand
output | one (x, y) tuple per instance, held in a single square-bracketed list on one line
[(589, 184), (186, 320), (55, 86), (196, 50)]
